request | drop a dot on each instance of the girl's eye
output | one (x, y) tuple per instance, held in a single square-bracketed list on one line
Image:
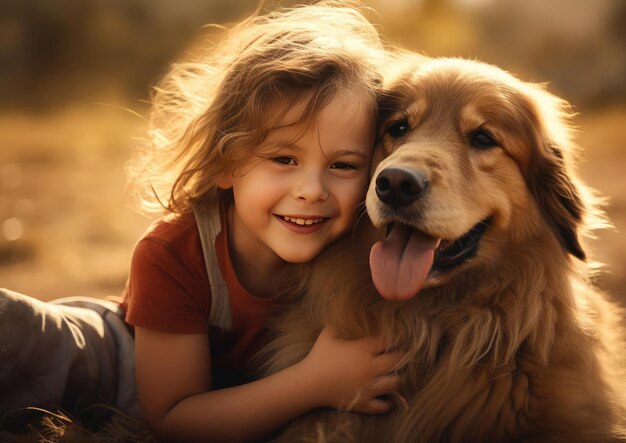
[(398, 128), (482, 139), (284, 160), (343, 166)]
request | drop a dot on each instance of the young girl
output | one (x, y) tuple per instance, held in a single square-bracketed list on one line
[(270, 137), (260, 150)]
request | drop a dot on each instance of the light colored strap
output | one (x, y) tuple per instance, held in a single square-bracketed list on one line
[(208, 220)]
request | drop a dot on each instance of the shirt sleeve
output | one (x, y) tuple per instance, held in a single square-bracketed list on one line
[(164, 293)]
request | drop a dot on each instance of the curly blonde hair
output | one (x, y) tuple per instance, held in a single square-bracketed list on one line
[(209, 113)]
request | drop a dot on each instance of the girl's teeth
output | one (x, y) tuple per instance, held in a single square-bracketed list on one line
[(303, 222)]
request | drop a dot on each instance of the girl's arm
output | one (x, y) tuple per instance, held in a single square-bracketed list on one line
[(174, 384)]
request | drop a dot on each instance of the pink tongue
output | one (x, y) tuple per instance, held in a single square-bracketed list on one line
[(401, 262)]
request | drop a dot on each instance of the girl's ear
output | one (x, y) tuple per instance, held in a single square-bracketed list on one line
[(225, 181)]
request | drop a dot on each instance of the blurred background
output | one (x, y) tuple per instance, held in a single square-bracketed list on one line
[(75, 77)]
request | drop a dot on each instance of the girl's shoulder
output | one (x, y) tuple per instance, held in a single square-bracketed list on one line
[(173, 239), (168, 289), (173, 229)]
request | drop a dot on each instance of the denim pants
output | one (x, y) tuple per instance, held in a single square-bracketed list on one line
[(70, 354)]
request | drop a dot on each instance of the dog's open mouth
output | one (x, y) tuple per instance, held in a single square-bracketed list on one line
[(402, 263)]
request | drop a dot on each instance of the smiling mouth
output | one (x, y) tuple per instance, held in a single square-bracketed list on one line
[(403, 262), (302, 221)]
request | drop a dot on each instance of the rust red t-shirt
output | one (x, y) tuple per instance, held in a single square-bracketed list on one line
[(168, 290)]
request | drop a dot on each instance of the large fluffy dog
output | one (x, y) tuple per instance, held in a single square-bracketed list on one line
[(482, 278)]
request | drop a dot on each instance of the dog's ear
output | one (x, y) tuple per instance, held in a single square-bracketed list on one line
[(552, 177), (558, 196), (545, 156)]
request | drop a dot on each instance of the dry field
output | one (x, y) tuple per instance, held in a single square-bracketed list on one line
[(66, 227)]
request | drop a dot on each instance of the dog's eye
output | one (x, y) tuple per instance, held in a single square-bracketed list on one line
[(398, 128), (482, 139)]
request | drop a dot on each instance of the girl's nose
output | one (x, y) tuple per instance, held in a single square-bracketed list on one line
[(311, 187)]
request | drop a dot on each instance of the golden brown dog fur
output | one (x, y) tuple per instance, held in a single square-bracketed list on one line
[(515, 344)]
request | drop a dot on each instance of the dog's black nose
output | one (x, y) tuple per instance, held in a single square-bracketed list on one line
[(399, 187)]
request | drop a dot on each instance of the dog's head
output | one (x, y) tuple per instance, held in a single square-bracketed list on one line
[(469, 151)]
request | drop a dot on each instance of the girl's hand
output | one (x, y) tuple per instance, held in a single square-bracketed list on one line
[(351, 374)]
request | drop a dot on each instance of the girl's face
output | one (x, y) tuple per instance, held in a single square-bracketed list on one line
[(301, 190)]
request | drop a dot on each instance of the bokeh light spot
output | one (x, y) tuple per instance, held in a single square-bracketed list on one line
[(12, 229)]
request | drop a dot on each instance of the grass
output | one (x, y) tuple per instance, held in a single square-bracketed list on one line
[(53, 427)]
